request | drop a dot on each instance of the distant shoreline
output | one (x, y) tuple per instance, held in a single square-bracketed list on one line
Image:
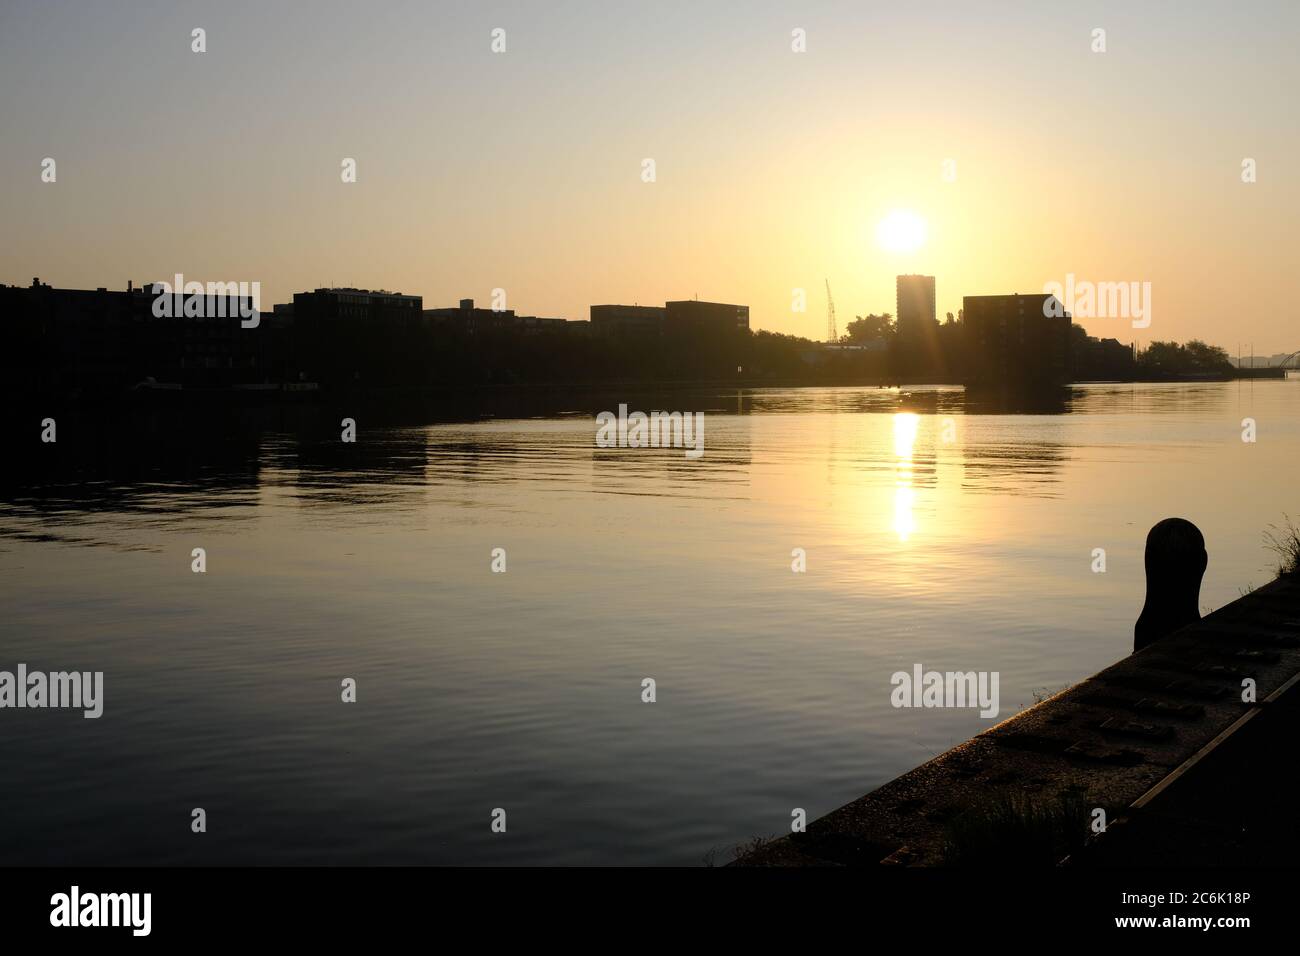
[(296, 393)]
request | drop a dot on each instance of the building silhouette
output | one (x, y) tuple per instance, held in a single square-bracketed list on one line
[(1098, 359), (691, 316), (84, 344), (99, 341), (706, 339), (915, 305), (917, 326), (622, 320), (1016, 340), (356, 336), (468, 319)]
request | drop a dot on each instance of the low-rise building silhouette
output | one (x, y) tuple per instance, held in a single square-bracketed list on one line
[(690, 316), (467, 318), (84, 340), (1098, 359), (99, 342), (623, 320), (1016, 340), (356, 336)]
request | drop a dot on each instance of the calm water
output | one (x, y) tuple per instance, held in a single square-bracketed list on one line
[(965, 550)]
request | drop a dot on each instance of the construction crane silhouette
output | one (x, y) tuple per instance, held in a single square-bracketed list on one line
[(831, 335)]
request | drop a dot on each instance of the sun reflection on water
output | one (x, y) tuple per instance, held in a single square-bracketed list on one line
[(905, 427)]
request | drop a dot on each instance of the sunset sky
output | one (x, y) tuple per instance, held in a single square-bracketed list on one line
[(523, 170)]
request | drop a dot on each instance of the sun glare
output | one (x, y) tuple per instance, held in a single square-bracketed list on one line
[(901, 231)]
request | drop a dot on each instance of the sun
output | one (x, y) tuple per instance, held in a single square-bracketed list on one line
[(901, 231)]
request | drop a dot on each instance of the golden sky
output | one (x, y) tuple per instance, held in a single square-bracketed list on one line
[(522, 169)]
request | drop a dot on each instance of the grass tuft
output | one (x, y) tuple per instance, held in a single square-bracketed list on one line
[(1285, 542), (1014, 829)]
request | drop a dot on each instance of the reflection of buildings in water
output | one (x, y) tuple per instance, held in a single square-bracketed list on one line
[(727, 458), (992, 400), (157, 467), (1019, 467), (385, 465), (462, 456), (140, 468)]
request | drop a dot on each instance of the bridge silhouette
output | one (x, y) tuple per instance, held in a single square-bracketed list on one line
[(1293, 358)]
